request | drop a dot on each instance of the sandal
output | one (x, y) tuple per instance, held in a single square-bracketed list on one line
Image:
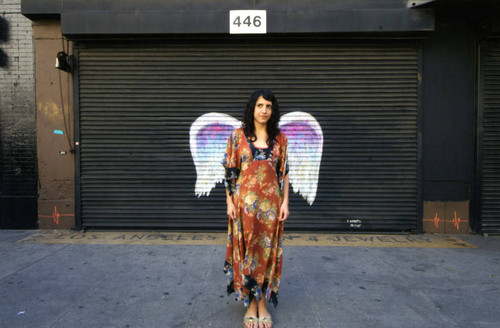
[(265, 320), (248, 320)]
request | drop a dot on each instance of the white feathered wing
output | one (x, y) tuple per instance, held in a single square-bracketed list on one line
[(305, 148), (208, 139)]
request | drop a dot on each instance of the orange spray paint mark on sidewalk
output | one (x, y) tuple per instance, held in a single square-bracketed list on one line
[(55, 215)]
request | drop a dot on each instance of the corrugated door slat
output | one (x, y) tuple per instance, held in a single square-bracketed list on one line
[(490, 207), (137, 102)]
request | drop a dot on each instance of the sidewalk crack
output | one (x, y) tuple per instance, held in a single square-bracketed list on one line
[(308, 292), (34, 262), (201, 288)]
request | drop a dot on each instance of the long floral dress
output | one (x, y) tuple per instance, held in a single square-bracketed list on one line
[(254, 254)]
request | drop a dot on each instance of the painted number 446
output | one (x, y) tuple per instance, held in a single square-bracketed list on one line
[(256, 21), (247, 21)]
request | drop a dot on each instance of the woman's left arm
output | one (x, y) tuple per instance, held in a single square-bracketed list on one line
[(284, 205)]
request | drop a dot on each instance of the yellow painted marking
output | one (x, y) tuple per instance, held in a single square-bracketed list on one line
[(369, 240), (219, 238)]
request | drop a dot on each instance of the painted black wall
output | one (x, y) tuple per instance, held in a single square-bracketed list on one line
[(4, 37), (152, 17), (449, 70), (53, 8), (449, 74), (18, 168)]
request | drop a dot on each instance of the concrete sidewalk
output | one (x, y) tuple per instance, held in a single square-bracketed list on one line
[(105, 285)]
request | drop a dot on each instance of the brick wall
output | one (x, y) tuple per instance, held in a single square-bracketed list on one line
[(18, 167)]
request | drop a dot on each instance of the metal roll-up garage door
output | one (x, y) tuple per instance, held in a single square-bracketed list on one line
[(490, 140), (137, 102)]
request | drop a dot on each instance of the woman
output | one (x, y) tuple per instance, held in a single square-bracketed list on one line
[(257, 205)]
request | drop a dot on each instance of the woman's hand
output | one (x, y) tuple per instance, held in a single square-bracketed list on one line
[(284, 211), (231, 210)]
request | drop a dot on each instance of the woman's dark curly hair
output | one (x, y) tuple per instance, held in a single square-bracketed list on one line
[(248, 119)]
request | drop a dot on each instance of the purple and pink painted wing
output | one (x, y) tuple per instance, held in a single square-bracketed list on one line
[(208, 139), (305, 148)]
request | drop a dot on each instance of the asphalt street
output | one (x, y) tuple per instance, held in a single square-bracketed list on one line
[(182, 285)]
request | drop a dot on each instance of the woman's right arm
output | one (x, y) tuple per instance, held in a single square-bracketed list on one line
[(231, 209), (231, 166)]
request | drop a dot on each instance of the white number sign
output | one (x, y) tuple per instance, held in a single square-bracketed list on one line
[(247, 22)]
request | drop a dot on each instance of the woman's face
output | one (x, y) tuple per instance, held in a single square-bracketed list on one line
[(263, 110)]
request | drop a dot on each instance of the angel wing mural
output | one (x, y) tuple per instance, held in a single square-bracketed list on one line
[(208, 137)]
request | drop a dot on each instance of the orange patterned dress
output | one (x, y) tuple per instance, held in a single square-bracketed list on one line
[(254, 179)]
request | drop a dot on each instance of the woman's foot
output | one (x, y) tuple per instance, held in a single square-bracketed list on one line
[(250, 319), (265, 320)]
